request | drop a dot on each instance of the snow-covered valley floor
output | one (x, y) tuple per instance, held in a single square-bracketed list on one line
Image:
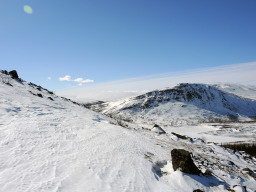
[(219, 132), (55, 145)]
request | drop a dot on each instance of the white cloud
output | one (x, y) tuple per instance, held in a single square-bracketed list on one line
[(77, 80), (81, 80), (49, 78), (66, 78), (243, 73)]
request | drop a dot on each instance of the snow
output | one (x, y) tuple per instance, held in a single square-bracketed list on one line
[(158, 129), (246, 91), (173, 106), (218, 133), (58, 146)]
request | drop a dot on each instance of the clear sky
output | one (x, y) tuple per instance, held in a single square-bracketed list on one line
[(107, 40)]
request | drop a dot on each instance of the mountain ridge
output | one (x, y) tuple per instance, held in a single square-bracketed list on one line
[(206, 100)]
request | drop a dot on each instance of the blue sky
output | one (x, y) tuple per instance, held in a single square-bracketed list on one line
[(107, 40)]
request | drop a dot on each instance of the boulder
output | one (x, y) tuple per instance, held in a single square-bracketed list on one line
[(198, 190), (14, 74), (181, 159), (5, 72), (157, 129)]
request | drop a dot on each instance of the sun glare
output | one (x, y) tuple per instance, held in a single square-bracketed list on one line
[(28, 9)]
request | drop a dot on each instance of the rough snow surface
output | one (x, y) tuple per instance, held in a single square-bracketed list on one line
[(58, 146)]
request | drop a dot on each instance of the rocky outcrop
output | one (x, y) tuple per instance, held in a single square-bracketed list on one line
[(157, 129), (14, 74), (181, 159)]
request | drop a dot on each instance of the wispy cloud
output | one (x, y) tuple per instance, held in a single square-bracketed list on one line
[(243, 73), (49, 78), (80, 80)]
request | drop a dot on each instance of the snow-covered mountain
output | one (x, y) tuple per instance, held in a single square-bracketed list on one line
[(49, 143), (246, 91), (182, 104)]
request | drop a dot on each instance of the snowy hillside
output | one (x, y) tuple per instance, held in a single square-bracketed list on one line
[(183, 104), (246, 91), (55, 145), (52, 144)]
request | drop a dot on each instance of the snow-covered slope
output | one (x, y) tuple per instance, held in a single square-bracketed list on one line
[(48, 143), (246, 91), (183, 104), (55, 145)]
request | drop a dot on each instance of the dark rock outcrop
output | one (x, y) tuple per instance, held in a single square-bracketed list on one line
[(4, 72), (182, 136), (181, 159), (14, 74), (198, 190)]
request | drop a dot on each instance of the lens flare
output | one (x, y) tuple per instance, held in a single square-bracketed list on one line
[(28, 9)]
